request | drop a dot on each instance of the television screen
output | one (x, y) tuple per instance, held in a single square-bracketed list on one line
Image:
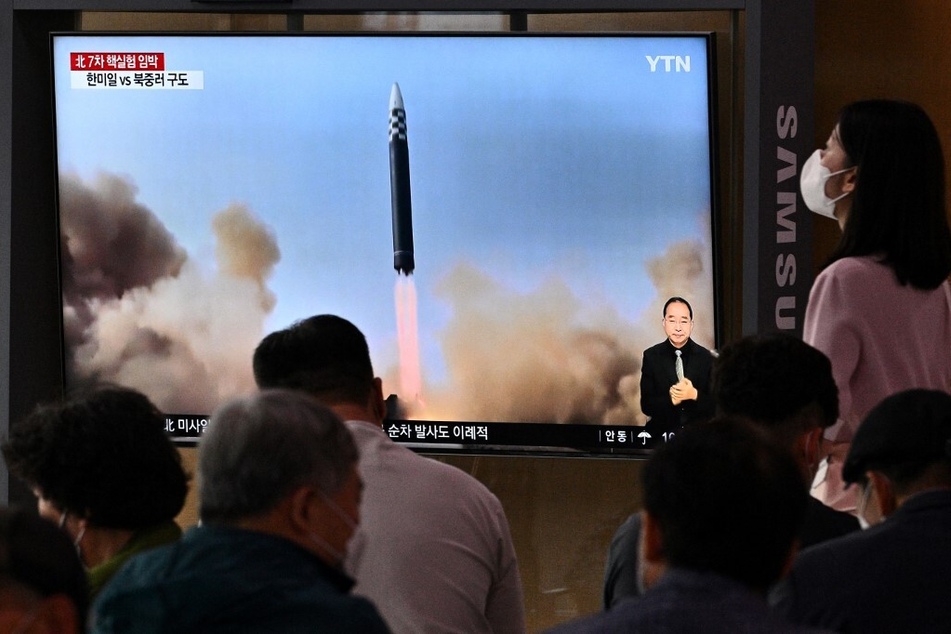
[(502, 215)]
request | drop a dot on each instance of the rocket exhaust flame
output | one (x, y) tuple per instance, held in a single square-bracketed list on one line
[(408, 340)]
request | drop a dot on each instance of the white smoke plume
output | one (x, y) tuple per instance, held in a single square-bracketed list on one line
[(141, 314), (111, 244)]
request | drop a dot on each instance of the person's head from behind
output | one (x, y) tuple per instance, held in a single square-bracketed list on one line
[(280, 462), (325, 356), (898, 190), (42, 582), (678, 321), (100, 460), (782, 384), (723, 497), (901, 448)]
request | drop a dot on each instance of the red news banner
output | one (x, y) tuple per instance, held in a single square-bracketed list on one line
[(129, 70)]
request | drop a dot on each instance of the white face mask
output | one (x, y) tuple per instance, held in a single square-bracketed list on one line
[(338, 556), (79, 537), (812, 184), (339, 511), (860, 507)]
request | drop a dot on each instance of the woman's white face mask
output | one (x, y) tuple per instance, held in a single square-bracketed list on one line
[(812, 184)]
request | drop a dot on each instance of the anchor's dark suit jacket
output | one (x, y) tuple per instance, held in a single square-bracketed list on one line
[(658, 374)]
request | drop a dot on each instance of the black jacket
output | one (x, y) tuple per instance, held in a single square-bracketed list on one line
[(658, 374)]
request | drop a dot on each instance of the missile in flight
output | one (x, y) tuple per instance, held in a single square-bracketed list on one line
[(404, 260)]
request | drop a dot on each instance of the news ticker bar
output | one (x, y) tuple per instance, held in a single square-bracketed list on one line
[(476, 436)]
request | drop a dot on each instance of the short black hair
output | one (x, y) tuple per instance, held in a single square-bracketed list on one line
[(728, 499), (772, 378), (103, 455), (677, 300), (324, 355)]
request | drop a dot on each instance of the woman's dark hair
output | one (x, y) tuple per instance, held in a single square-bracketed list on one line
[(898, 207), (104, 456)]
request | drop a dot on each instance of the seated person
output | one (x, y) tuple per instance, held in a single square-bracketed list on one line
[(896, 575), (104, 470), (624, 573), (42, 584), (675, 375), (722, 502), (280, 498), (453, 567), (785, 386)]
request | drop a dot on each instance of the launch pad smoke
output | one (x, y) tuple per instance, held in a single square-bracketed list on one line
[(142, 312)]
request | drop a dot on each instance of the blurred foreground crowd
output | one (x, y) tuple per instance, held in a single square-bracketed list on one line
[(805, 487)]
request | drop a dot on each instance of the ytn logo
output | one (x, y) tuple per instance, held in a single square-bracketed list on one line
[(671, 63)]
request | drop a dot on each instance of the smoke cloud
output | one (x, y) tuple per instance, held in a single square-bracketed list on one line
[(547, 355), (140, 313)]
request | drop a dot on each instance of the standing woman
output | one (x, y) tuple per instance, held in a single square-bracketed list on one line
[(881, 308)]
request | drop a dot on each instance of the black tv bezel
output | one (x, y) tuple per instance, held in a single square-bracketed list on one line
[(508, 438)]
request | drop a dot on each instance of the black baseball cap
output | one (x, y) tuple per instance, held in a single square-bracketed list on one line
[(910, 427)]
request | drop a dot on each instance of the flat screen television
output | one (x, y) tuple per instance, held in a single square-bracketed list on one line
[(503, 216)]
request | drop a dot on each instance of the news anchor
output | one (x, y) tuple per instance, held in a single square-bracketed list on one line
[(675, 375)]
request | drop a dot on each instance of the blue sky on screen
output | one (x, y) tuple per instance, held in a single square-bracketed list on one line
[(531, 160)]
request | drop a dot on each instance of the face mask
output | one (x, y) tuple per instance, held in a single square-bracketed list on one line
[(337, 555), (79, 537), (860, 507), (812, 184), (339, 512)]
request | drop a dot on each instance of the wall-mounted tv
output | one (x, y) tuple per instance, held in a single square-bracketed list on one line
[(503, 215)]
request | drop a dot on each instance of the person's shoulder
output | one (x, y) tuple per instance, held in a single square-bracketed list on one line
[(452, 476), (338, 612), (132, 589), (620, 618), (374, 443), (630, 525), (823, 523), (825, 561), (656, 349), (700, 349), (149, 564), (364, 429), (855, 267), (392, 457)]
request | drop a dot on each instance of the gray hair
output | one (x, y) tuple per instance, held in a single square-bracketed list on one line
[(257, 449)]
